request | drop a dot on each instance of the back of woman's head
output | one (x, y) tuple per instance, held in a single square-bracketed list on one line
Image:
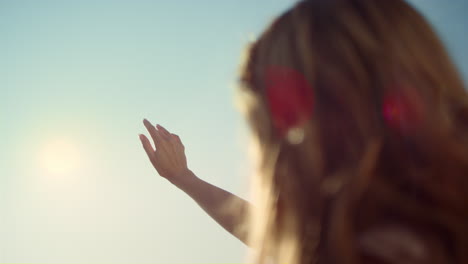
[(377, 136)]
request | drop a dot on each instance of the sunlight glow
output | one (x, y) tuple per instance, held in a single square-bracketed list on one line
[(59, 156)]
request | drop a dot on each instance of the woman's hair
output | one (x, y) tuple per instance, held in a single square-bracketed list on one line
[(352, 171)]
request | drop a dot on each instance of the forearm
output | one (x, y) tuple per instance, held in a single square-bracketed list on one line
[(225, 208)]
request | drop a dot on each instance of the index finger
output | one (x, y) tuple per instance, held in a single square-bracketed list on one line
[(153, 132)]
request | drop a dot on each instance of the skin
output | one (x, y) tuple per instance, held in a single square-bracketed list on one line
[(169, 160)]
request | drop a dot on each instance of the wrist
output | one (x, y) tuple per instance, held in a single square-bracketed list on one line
[(184, 180)]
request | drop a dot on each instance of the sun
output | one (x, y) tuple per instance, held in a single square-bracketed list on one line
[(59, 156)]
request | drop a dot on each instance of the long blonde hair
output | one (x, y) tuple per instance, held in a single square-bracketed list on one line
[(351, 171)]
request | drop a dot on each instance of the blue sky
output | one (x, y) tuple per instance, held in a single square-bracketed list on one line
[(86, 73)]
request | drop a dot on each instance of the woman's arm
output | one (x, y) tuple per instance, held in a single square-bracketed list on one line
[(170, 162), (224, 207)]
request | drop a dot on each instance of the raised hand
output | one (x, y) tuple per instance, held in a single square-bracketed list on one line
[(168, 158)]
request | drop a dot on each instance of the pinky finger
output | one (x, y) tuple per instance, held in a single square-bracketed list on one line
[(177, 138), (147, 146)]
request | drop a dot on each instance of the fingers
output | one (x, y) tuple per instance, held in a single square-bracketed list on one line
[(164, 132), (147, 146), (177, 139), (154, 133)]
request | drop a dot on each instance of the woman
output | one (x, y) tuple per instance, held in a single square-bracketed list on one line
[(361, 124)]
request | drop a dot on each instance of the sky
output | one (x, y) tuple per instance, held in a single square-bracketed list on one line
[(76, 80)]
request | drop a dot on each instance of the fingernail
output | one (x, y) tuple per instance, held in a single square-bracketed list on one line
[(148, 123)]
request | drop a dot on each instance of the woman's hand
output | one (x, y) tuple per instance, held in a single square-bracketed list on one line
[(170, 162), (169, 157)]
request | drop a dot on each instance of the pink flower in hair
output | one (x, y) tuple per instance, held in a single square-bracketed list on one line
[(403, 110), (290, 98)]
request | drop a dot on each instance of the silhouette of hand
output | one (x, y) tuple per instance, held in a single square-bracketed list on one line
[(169, 158)]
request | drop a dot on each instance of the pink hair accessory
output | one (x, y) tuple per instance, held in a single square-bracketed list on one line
[(403, 110), (290, 98)]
